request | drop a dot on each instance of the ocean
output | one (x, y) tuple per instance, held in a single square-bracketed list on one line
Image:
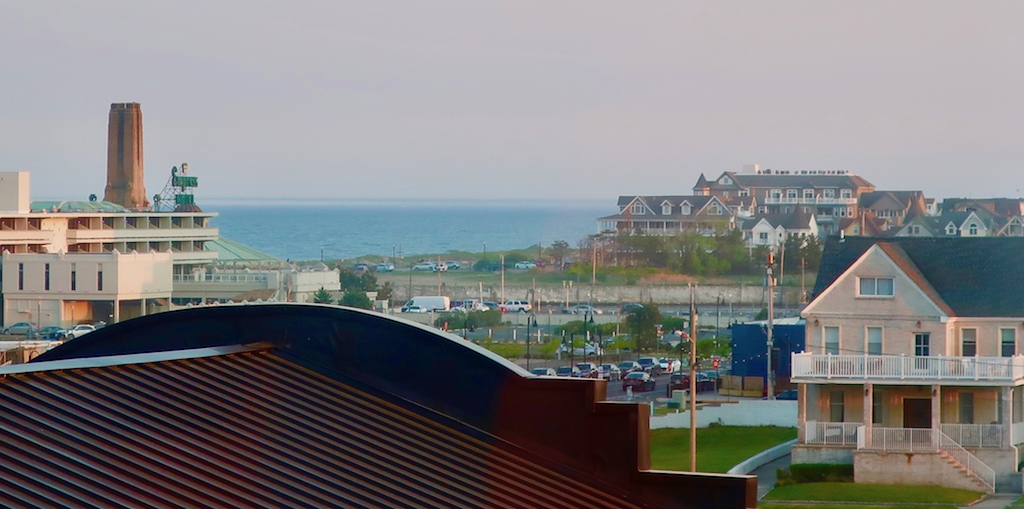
[(339, 230)]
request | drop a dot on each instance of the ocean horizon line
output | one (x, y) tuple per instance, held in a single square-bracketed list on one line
[(505, 203)]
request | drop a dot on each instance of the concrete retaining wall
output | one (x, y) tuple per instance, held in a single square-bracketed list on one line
[(763, 458), (741, 413), (821, 454), (928, 469)]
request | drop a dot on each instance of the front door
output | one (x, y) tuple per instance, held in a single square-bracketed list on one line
[(917, 413)]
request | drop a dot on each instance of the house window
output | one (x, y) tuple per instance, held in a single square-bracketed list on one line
[(726, 181), (762, 238), (743, 192), (686, 209), (1007, 342), (835, 406), (915, 230), (846, 193), (969, 342), (99, 277), (808, 194), (21, 276), (74, 277), (775, 194), (829, 193), (792, 194), (832, 340), (46, 277), (973, 228), (966, 407), (876, 286), (950, 230), (637, 209), (666, 210), (922, 342), (875, 340), (714, 210)]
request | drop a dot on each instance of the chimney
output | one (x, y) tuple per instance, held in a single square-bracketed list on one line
[(125, 182)]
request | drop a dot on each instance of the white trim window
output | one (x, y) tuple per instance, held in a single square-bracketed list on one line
[(832, 340), (846, 193), (743, 192), (1007, 342), (808, 194), (973, 228), (775, 193), (637, 209), (874, 340), (686, 209), (666, 210), (714, 210), (829, 193), (968, 342), (792, 194), (950, 229), (875, 287)]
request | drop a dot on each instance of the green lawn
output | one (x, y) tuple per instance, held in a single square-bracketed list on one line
[(718, 448), (847, 505), (873, 493)]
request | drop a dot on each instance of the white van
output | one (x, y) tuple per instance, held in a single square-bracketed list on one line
[(430, 302)]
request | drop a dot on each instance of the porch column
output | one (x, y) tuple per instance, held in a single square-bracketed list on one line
[(936, 407), (142, 307), (801, 413), (869, 409), (117, 311), (1006, 415)]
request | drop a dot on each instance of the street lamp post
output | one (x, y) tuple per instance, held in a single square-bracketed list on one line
[(531, 321)]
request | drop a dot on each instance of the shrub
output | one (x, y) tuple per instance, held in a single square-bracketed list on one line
[(800, 473)]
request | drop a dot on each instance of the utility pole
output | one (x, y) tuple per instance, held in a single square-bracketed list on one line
[(693, 381), (502, 279), (769, 376), (593, 274)]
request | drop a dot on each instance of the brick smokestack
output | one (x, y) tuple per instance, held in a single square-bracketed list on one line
[(125, 183)]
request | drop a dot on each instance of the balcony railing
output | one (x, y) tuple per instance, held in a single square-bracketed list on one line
[(220, 278), (975, 435), (782, 200), (831, 433), (808, 366)]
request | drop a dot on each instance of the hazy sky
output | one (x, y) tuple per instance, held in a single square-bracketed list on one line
[(523, 99)]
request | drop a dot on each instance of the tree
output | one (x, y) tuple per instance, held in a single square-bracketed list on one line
[(348, 279), (559, 248), (386, 292), (356, 297), (643, 323), (323, 297)]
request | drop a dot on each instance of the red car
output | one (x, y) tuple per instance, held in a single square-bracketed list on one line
[(639, 381)]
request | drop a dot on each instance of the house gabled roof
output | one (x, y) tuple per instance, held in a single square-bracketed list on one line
[(698, 202), (884, 199), (292, 405), (1000, 207), (774, 180), (796, 220), (701, 185), (974, 276)]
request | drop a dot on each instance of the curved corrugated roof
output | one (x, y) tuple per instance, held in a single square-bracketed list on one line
[(76, 206)]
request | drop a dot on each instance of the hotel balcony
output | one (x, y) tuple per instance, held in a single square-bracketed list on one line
[(817, 200), (899, 369), (140, 235)]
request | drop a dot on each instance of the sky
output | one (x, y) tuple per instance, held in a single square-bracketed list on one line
[(547, 100)]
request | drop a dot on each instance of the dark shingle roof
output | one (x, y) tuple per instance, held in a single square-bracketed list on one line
[(975, 276), (848, 181)]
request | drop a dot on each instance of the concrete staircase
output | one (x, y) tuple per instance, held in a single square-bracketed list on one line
[(967, 472)]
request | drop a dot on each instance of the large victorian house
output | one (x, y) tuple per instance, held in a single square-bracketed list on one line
[(669, 215), (913, 370), (830, 195)]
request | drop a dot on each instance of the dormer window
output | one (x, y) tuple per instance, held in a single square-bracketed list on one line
[(775, 194), (726, 181), (791, 194), (973, 228), (950, 230), (666, 210), (875, 287), (808, 194), (686, 209), (846, 193), (637, 209)]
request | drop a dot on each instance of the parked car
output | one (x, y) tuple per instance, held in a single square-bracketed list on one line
[(20, 329), (630, 306), (587, 369), (360, 268), (609, 372), (571, 371), (440, 267), (414, 309), (452, 264), (627, 367), (583, 350), (585, 308), (385, 267), (670, 364), (516, 306), (491, 305), (639, 381), (76, 331), (424, 266), (525, 265), (543, 371), (49, 332), (681, 381), (789, 395), (650, 365)]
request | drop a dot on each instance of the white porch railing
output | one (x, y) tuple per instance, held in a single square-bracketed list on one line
[(924, 440), (831, 433), (975, 435), (809, 366)]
